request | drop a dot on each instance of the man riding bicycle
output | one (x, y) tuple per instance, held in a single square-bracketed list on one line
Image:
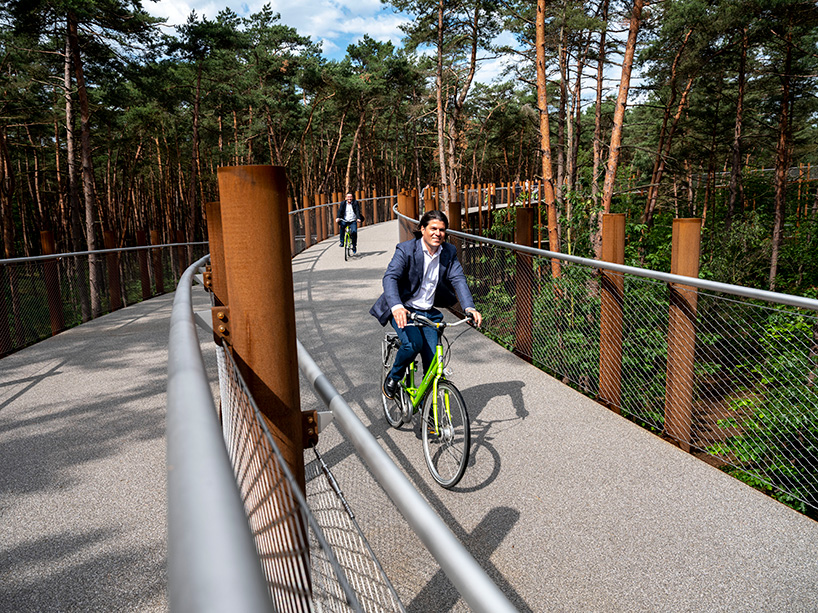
[(349, 214), (424, 273)]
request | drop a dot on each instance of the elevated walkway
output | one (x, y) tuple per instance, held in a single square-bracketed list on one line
[(568, 506)]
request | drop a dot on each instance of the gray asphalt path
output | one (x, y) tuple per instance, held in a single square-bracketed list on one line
[(568, 506), (82, 466)]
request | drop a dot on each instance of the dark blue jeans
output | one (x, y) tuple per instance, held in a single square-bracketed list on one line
[(353, 232), (415, 340)]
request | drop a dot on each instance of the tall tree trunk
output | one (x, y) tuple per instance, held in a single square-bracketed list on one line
[(736, 190), (782, 161), (596, 226), (441, 117), (562, 55), (621, 103), (94, 263), (545, 139), (352, 151)]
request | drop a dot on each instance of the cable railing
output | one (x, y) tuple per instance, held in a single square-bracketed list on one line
[(43, 295), (752, 406), (333, 568)]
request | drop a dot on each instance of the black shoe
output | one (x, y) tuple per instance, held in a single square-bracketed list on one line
[(390, 386)]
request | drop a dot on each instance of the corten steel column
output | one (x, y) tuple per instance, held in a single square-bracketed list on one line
[(319, 218), (262, 311), (524, 273), (112, 264), (391, 214), (408, 206), (156, 257), (291, 217), (218, 278), (610, 319), (181, 253), (52, 283), (307, 222), (681, 334), (326, 211), (375, 216), (144, 275)]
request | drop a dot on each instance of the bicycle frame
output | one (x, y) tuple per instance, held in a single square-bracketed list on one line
[(430, 378)]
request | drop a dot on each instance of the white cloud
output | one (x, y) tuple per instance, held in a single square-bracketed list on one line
[(334, 23)]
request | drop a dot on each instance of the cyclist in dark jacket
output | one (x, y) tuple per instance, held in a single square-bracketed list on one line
[(349, 214)]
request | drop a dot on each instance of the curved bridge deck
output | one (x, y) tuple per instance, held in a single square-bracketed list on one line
[(568, 506)]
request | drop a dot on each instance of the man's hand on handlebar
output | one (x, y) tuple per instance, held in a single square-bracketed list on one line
[(400, 314), (475, 315)]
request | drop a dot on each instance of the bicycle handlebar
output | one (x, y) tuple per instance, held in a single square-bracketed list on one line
[(425, 321)]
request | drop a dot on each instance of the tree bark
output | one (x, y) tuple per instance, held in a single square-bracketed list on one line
[(441, 117), (782, 162), (545, 139), (621, 103), (596, 226), (94, 268), (736, 189)]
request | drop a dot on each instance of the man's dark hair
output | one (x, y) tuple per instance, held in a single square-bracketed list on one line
[(433, 215)]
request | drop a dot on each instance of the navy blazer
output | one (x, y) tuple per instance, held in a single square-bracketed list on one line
[(405, 273)]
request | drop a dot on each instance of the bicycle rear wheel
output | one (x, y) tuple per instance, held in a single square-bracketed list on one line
[(391, 408), (446, 445)]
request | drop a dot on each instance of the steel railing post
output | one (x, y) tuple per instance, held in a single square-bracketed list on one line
[(112, 264), (681, 333), (144, 275), (6, 344), (610, 318), (181, 253), (261, 328), (524, 273), (52, 283), (307, 222), (156, 259), (408, 206), (218, 279), (291, 217)]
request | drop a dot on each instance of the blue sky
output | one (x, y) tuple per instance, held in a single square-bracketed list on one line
[(334, 23)]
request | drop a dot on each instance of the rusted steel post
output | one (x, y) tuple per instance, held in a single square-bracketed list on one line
[(307, 223), (523, 277), (52, 283), (181, 253), (408, 206), (319, 218), (218, 278), (261, 308), (112, 264), (681, 334), (610, 320), (144, 274), (156, 258), (326, 211), (291, 218), (375, 206)]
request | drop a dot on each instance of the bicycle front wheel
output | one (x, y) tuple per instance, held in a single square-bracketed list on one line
[(391, 407), (446, 442), (347, 249)]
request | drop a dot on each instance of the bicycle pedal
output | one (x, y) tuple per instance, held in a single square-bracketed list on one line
[(448, 371)]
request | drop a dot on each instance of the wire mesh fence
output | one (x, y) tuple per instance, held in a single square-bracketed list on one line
[(40, 297), (730, 377), (312, 551)]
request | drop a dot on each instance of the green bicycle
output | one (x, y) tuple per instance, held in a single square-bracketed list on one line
[(347, 244), (445, 428)]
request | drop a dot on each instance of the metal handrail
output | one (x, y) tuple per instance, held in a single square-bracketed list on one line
[(212, 561), (477, 589), (57, 256), (705, 284)]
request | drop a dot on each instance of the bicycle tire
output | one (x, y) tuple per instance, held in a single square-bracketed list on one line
[(391, 407), (347, 249), (447, 451)]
